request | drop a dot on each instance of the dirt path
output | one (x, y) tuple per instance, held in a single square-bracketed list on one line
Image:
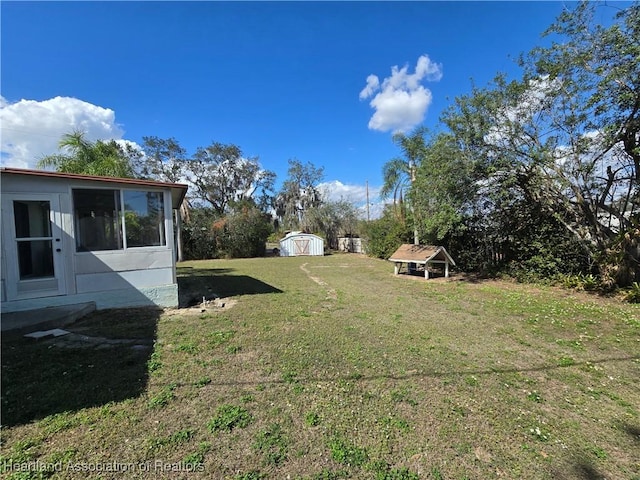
[(331, 293)]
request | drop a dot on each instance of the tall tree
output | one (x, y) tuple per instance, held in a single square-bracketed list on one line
[(165, 159), (332, 219), (221, 175), (79, 155), (298, 194), (444, 189), (595, 109), (399, 173), (565, 137)]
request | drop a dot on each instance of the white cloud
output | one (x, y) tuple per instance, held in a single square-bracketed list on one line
[(372, 85), (32, 129), (401, 101), (399, 110), (335, 191)]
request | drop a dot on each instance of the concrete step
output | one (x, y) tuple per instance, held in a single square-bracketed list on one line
[(28, 321)]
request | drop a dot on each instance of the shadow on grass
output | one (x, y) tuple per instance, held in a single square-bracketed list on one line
[(587, 471), (103, 360), (577, 468), (194, 283), (632, 430)]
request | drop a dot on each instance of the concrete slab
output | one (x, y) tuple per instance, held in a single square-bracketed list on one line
[(48, 318), (56, 332)]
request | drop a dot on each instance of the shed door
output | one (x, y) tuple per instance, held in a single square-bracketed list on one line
[(34, 240), (301, 246)]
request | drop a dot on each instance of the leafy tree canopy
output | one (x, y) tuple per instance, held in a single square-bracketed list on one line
[(79, 155), (221, 175), (298, 194), (565, 137)]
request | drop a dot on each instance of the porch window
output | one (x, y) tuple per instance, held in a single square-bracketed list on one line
[(144, 218), (118, 219), (97, 220)]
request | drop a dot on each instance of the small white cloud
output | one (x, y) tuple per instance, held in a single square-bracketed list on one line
[(428, 70), (372, 85), (401, 101), (32, 129)]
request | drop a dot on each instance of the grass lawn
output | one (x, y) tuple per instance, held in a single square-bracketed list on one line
[(330, 368)]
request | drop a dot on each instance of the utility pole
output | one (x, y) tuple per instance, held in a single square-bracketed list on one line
[(367, 183)]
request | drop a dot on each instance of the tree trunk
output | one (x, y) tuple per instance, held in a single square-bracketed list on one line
[(412, 173)]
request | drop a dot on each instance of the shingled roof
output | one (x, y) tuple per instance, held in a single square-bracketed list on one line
[(421, 254)]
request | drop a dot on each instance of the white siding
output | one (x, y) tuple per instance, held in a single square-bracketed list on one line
[(125, 260), (97, 282)]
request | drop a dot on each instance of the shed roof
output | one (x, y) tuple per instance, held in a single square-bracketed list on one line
[(420, 254), (178, 190), (300, 234)]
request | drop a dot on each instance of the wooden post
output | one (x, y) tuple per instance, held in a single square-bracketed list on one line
[(446, 269), (426, 272), (396, 268), (179, 235)]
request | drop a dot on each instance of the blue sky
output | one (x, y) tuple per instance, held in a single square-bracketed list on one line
[(279, 79)]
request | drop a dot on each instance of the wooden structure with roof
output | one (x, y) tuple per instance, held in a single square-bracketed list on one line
[(421, 255)]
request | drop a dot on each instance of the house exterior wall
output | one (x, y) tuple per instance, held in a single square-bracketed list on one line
[(301, 244), (134, 276)]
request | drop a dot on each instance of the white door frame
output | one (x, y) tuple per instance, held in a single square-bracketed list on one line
[(16, 288)]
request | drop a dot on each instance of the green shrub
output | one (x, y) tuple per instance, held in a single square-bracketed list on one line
[(198, 240), (580, 281), (242, 233), (590, 282), (246, 233), (570, 281), (633, 294), (385, 235)]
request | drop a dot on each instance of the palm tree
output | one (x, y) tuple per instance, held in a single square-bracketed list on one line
[(79, 155), (399, 173)]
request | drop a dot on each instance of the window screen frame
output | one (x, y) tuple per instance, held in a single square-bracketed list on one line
[(120, 220)]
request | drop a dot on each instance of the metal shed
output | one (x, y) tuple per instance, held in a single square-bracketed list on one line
[(421, 255), (298, 243)]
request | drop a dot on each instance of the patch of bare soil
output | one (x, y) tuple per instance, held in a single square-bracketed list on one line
[(205, 306), (75, 340)]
